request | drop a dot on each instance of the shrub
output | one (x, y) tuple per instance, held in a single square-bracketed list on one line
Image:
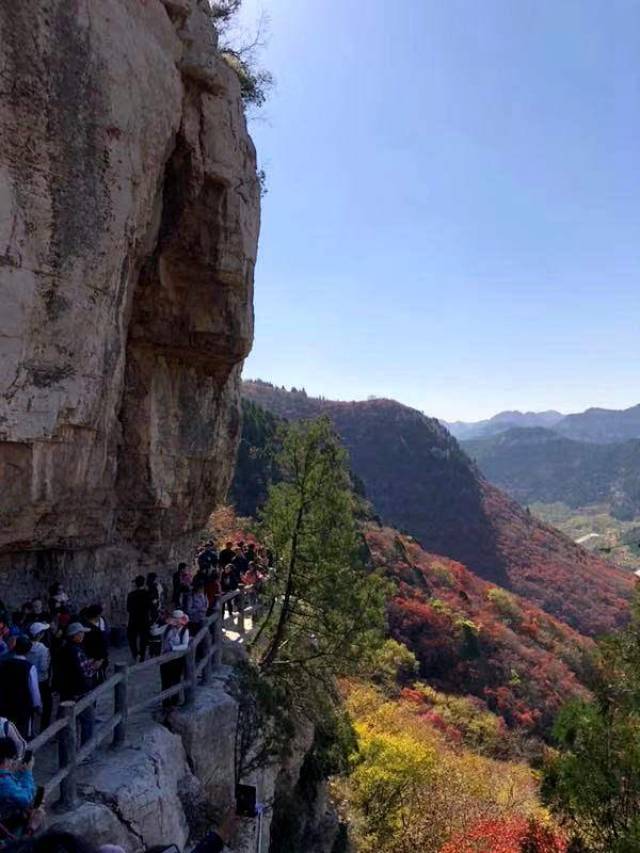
[(393, 665), (506, 605), (254, 82)]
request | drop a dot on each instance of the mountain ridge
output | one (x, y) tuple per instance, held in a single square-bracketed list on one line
[(463, 430), (539, 465), (419, 480), (595, 425)]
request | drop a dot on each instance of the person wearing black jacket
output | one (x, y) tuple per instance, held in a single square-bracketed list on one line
[(240, 564), (74, 675), (226, 555), (139, 608), (228, 583), (207, 558), (19, 689), (95, 641)]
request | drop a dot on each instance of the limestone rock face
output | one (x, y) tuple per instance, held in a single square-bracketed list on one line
[(99, 823), (173, 786), (129, 217), (141, 787), (208, 732)]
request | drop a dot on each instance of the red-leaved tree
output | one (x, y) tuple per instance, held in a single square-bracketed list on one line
[(507, 835)]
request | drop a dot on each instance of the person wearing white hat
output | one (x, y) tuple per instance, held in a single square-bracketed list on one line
[(175, 638), (40, 657)]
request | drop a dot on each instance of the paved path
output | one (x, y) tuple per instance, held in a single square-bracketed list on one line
[(144, 684)]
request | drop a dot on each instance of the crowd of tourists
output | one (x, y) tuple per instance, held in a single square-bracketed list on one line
[(51, 652)]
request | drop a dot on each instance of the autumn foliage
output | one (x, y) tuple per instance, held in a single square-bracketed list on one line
[(508, 835), (415, 787), (471, 637), (418, 479), (558, 576)]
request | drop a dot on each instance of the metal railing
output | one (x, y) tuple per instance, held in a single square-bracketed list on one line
[(204, 652)]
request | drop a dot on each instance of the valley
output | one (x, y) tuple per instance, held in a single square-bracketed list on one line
[(594, 528), (590, 490), (493, 614), (419, 480)]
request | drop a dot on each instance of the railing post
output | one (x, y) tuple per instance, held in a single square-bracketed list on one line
[(120, 703), (67, 749), (207, 644), (240, 601), (218, 633), (190, 674)]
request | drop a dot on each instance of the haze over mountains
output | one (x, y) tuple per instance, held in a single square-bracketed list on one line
[(539, 465), (501, 422), (419, 480), (600, 426)]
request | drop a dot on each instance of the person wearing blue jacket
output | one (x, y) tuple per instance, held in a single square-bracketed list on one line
[(17, 787)]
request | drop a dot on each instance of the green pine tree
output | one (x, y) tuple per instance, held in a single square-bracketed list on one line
[(326, 616), (594, 781)]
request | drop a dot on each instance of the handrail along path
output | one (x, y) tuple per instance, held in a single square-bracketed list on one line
[(203, 654)]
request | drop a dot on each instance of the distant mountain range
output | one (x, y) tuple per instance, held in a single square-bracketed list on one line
[(598, 426), (419, 480), (502, 422), (538, 464)]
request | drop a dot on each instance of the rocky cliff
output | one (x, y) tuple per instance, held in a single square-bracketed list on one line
[(129, 217), (171, 785)]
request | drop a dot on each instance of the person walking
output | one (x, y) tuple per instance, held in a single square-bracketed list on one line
[(229, 583), (176, 582), (207, 558), (198, 607), (139, 608), (186, 591), (10, 636), (156, 593), (19, 691), (240, 563), (58, 598), (175, 638), (226, 555), (212, 588), (8, 729)]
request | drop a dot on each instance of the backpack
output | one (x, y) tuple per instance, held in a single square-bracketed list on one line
[(9, 730)]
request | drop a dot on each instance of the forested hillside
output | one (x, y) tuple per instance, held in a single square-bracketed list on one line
[(599, 426), (471, 637), (602, 425), (419, 480), (255, 462), (502, 422), (540, 465), (446, 721)]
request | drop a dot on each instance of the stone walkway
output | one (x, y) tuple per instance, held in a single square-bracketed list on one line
[(144, 684)]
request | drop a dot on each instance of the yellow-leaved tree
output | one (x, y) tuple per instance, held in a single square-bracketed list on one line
[(410, 789)]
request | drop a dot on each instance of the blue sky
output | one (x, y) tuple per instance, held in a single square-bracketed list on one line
[(453, 214)]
